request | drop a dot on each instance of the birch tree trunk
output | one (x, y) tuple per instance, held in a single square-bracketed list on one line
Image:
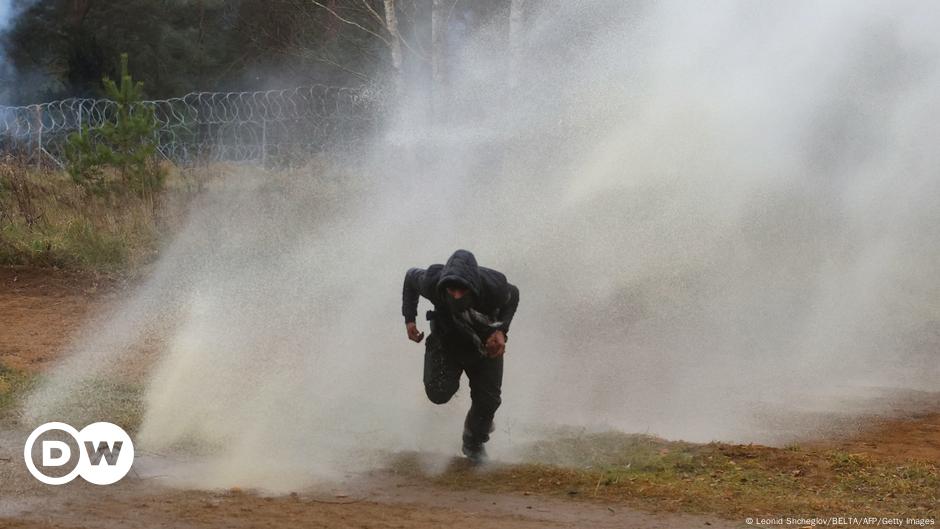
[(391, 24), (438, 15), (437, 37), (516, 40)]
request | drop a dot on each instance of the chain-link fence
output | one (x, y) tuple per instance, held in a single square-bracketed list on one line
[(271, 126)]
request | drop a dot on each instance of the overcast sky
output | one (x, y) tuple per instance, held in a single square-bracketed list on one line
[(4, 11)]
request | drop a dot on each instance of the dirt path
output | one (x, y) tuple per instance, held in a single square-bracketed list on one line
[(41, 309), (379, 500)]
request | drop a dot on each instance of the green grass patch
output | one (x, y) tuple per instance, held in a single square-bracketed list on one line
[(76, 244), (94, 400), (733, 481), (14, 384)]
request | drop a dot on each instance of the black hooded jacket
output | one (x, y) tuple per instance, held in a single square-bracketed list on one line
[(494, 295)]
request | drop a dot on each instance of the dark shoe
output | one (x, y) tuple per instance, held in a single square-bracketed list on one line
[(475, 452)]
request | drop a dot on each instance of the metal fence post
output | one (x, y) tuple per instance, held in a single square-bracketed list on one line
[(39, 137), (264, 142)]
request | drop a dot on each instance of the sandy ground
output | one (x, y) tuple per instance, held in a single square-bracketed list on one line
[(39, 311)]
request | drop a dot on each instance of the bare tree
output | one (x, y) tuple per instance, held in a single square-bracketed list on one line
[(382, 26), (516, 40), (438, 19), (391, 25)]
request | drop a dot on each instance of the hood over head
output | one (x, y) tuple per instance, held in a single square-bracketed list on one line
[(461, 268)]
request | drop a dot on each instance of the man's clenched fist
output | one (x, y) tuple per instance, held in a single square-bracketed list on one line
[(413, 333), (496, 344)]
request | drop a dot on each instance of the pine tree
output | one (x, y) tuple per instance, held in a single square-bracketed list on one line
[(126, 143)]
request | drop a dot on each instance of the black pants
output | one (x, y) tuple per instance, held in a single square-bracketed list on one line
[(444, 362)]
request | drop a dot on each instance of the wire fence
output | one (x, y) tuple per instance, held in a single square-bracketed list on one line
[(274, 126)]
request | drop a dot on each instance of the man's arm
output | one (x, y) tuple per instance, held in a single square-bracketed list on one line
[(410, 293), (496, 343), (508, 310)]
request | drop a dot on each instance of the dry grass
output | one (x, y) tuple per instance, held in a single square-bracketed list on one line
[(46, 220)]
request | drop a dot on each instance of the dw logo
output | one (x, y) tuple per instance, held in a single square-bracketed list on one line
[(105, 453)]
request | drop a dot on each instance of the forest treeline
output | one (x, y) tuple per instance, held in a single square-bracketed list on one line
[(62, 48)]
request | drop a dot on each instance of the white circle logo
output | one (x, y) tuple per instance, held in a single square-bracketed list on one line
[(105, 453)]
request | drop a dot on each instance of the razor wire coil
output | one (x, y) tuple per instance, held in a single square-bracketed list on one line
[(209, 126)]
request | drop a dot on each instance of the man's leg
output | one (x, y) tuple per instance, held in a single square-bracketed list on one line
[(441, 371), (486, 380)]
